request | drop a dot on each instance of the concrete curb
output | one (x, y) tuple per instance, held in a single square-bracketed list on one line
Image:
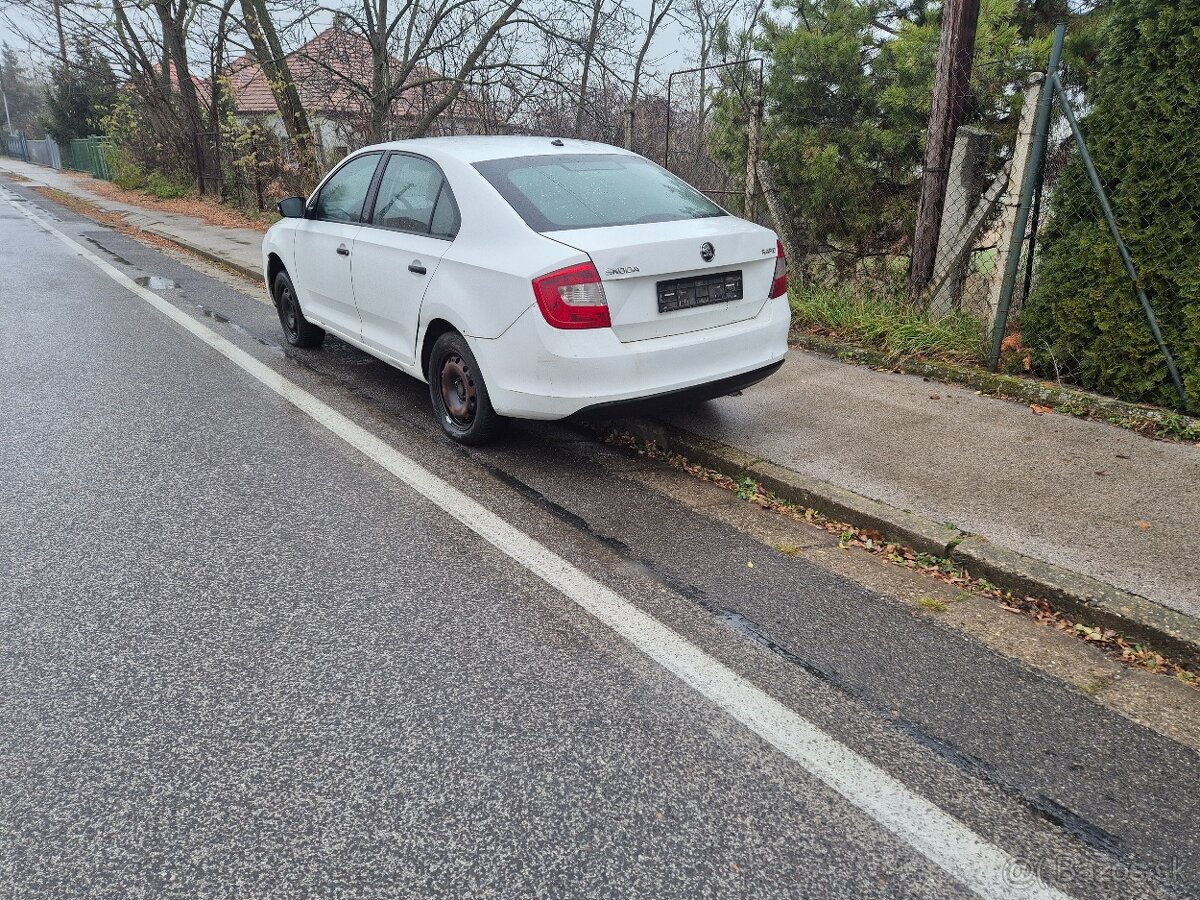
[(1083, 598), (1073, 401)]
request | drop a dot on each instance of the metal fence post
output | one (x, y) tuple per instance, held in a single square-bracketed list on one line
[(1111, 219), (1033, 168)]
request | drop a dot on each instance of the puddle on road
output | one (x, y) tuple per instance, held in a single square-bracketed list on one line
[(156, 282)]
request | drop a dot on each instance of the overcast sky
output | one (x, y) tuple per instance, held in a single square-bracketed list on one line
[(673, 47)]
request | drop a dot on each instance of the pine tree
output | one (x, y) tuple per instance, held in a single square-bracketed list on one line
[(82, 94), (1083, 319), (21, 91)]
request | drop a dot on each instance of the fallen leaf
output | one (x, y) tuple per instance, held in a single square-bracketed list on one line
[(1039, 410), (1145, 526)]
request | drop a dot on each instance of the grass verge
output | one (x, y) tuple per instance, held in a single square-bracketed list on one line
[(887, 323)]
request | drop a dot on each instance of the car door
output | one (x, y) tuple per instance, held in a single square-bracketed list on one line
[(412, 221), (324, 238)]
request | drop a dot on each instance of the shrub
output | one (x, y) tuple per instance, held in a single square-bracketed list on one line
[(126, 173), (167, 187), (1083, 319)]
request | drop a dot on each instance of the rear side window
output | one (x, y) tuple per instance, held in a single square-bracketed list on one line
[(556, 193), (445, 215), (413, 196), (343, 195)]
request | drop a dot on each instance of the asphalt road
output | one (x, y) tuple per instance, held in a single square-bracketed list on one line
[(242, 658)]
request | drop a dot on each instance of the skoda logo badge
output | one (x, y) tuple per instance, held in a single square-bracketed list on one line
[(707, 252)]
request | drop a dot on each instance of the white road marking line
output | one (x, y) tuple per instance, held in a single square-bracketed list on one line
[(979, 865)]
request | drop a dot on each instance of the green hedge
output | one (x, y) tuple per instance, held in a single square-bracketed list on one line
[(1083, 320)]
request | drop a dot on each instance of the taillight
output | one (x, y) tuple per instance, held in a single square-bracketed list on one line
[(779, 285), (573, 298)]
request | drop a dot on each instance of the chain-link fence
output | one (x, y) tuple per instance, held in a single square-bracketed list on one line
[(1112, 264), (845, 198), (699, 103), (250, 167), (1021, 266)]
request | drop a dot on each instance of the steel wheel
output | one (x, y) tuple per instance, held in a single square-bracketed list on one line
[(298, 330), (459, 394), (289, 312), (458, 390)]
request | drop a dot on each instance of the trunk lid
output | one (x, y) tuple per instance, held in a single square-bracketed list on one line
[(633, 259)]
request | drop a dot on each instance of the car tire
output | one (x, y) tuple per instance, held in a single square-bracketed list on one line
[(298, 331), (459, 394)]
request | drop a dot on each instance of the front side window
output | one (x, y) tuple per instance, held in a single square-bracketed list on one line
[(593, 190), (413, 196), (343, 195)]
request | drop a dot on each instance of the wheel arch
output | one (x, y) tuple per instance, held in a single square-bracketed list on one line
[(434, 330), (274, 267)]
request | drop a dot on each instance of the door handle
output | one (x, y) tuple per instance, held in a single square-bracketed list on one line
[(416, 268), (343, 250)]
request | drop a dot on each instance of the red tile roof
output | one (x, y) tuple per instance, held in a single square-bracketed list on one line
[(331, 72)]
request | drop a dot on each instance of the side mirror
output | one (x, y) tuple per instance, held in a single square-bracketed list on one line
[(291, 208)]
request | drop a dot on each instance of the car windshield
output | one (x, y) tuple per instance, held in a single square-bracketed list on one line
[(589, 190)]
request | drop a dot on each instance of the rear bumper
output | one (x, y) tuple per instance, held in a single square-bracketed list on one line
[(612, 409), (534, 371)]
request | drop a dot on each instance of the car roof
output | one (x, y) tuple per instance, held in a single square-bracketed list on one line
[(476, 148)]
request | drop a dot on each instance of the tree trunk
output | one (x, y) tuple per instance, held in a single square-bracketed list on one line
[(655, 19), (956, 53), (216, 85), (270, 56), (175, 41), (589, 50)]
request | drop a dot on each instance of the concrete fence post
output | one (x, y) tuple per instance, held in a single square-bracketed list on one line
[(963, 188), (1011, 200)]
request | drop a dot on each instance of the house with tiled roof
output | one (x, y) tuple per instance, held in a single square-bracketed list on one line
[(333, 76)]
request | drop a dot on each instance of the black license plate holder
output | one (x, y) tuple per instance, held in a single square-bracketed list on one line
[(699, 290)]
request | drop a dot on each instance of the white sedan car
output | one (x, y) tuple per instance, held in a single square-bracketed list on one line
[(530, 277)]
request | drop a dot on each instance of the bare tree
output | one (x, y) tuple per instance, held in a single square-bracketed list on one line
[(659, 11), (269, 53), (381, 61)]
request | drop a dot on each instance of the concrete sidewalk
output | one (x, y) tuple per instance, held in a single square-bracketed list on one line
[(236, 247), (1090, 498)]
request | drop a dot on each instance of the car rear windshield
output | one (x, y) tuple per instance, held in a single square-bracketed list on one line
[(590, 190)]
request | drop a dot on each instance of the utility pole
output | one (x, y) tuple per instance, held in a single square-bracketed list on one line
[(4, 97), (956, 54)]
